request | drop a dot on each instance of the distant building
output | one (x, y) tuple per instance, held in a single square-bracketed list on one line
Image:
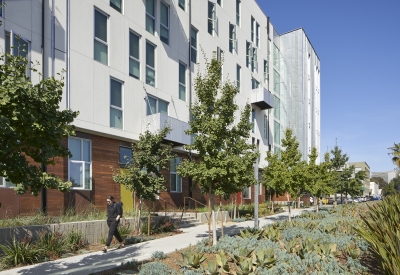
[(359, 166), (374, 189), (386, 176)]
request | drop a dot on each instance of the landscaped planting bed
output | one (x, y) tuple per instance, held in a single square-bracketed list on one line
[(313, 243)]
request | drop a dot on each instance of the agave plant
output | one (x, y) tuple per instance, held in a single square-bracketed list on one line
[(192, 259), (328, 250), (250, 233), (244, 266), (264, 257), (211, 268), (222, 261)]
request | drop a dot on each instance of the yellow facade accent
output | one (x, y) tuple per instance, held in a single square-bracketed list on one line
[(126, 198)]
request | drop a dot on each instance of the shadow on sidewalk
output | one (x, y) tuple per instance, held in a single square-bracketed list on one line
[(86, 265)]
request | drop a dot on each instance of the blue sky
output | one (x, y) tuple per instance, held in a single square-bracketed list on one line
[(358, 43)]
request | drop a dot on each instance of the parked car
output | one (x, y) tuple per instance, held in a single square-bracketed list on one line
[(370, 198), (357, 199)]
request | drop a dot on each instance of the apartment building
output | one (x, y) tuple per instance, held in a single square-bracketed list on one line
[(130, 66)]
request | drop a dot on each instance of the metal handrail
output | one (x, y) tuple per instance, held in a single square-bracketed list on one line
[(195, 205), (165, 205)]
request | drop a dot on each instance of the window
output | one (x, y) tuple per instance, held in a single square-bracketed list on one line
[(182, 81), (232, 38), (176, 180), (254, 63), (220, 54), (277, 151), (150, 64), (182, 4), (150, 16), (257, 35), (277, 81), (2, 8), (5, 183), (219, 2), (276, 57), (116, 104), (193, 44), (238, 12), (253, 120), (125, 155), (100, 37), (80, 164), (18, 46), (277, 133), (117, 5), (164, 23), (212, 18), (266, 72), (247, 193), (155, 105), (277, 109), (134, 62), (252, 29), (249, 54), (265, 127), (238, 68), (255, 84)]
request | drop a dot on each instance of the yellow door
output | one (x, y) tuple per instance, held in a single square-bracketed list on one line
[(127, 199)]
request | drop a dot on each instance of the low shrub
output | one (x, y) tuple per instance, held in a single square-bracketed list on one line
[(158, 255), (156, 268), (51, 243), (74, 241), (381, 229), (20, 252)]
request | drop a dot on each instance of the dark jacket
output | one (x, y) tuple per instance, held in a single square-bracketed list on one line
[(113, 211)]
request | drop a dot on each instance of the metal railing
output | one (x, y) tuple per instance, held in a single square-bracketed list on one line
[(195, 204)]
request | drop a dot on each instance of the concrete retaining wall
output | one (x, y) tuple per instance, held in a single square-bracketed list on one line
[(92, 231)]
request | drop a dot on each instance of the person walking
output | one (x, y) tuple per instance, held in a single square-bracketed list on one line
[(114, 213)]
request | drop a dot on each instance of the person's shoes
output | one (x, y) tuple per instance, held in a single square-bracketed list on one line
[(104, 250), (121, 245)]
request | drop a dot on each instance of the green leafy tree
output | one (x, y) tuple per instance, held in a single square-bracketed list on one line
[(396, 154), (338, 161), (319, 176), (285, 173), (226, 160), (32, 126), (392, 188), (380, 181), (142, 174), (351, 181)]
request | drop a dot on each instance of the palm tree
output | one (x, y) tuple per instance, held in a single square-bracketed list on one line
[(396, 154)]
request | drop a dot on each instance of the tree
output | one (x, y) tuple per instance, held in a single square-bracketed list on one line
[(351, 181), (380, 181), (226, 160), (32, 126), (319, 176), (142, 174), (285, 173), (338, 161), (396, 154), (392, 188)]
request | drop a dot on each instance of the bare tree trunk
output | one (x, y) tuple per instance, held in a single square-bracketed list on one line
[(335, 202), (148, 222), (140, 213), (209, 220), (298, 202), (214, 226), (290, 212), (234, 208), (272, 204), (317, 201), (222, 219)]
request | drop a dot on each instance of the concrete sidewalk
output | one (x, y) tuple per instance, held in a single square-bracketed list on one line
[(98, 261)]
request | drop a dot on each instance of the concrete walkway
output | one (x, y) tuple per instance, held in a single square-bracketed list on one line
[(97, 261)]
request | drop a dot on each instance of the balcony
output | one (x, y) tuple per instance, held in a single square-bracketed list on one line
[(262, 98), (157, 121)]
